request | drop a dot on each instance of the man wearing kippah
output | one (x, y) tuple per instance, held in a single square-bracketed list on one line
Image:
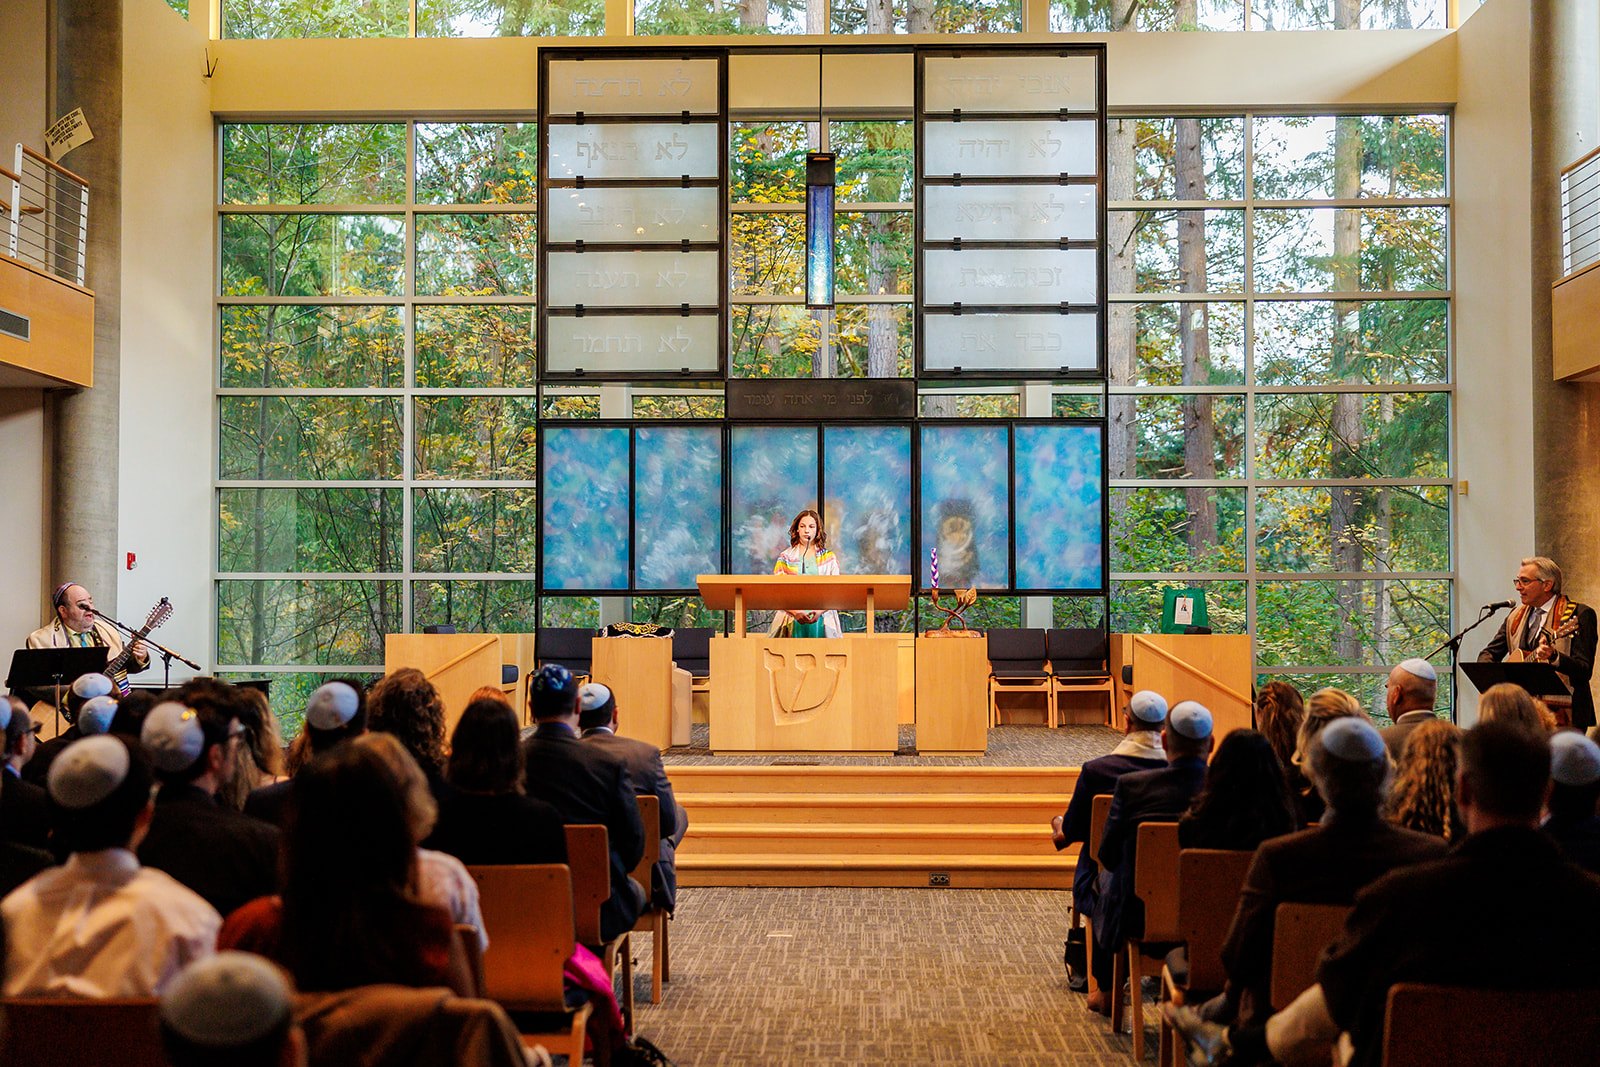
[(1549, 627), (101, 925), (1412, 687), (24, 807), (1574, 792), (77, 626)]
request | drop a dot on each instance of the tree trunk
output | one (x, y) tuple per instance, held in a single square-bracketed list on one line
[(1122, 412), (883, 274), (753, 14), (1200, 437), (919, 16)]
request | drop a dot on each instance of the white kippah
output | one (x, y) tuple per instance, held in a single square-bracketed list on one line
[(1574, 759), (226, 1001), (95, 715), (173, 735), (87, 772), (1148, 706), (1421, 668), (1191, 719), (593, 695), (1352, 739), (332, 705), (88, 686)]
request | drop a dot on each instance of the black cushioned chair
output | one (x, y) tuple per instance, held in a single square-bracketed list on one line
[(1016, 664), (1078, 657)]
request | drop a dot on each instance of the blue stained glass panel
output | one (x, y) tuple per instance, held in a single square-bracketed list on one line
[(867, 472), (965, 490), (1060, 507), (774, 473), (584, 482), (677, 507)]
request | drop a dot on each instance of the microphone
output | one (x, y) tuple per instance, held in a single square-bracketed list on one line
[(1498, 604)]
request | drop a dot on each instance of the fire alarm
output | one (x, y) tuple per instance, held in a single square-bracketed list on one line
[(132, 561)]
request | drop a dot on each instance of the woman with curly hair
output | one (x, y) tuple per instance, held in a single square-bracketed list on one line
[(1279, 710), (1423, 794), (407, 705), (1324, 707)]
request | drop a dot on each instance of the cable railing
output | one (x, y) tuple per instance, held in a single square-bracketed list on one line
[(46, 208), (1580, 214)]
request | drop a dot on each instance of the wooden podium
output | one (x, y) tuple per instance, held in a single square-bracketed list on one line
[(805, 694)]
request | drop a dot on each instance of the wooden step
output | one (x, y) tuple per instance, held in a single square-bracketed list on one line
[(806, 839), (973, 871), (976, 808), (690, 779)]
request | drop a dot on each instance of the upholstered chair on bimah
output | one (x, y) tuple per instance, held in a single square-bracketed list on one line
[(653, 920), (1429, 1025), (51, 1031), (589, 856), (1016, 664), (1299, 934), (1078, 664), (1155, 882), (567, 645), (691, 650), (1209, 881)]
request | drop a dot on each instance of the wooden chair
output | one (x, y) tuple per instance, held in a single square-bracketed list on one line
[(1155, 881), (589, 856), (1299, 934), (1016, 664), (1099, 808), (1428, 1025), (653, 920), (528, 910), (471, 946), (1078, 659), (50, 1031), (1209, 881)]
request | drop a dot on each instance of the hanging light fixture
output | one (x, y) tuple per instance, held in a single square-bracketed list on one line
[(819, 216)]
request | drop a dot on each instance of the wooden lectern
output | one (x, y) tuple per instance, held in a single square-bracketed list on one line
[(805, 694)]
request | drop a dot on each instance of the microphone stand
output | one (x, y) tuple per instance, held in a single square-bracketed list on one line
[(1454, 645), (167, 655)]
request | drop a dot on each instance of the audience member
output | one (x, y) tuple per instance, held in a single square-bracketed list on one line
[(18, 862), (24, 807), (489, 820), (404, 703), (1325, 705), (96, 716), (225, 856), (490, 692), (349, 914), (1161, 795), (85, 687), (101, 925), (1512, 703), (1245, 800), (1279, 710), (232, 1010), (1409, 699), (393, 1026), (1574, 792), (258, 757), (335, 711), (131, 712), (586, 785), (1424, 794), (597, 719)]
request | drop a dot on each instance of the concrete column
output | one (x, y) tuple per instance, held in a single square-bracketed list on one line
[(86, 59)]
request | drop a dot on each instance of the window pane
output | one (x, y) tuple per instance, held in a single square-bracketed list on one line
[(674, 611), (1353, 435), (1366, 621), (313, 255), (1136, 605), (472, 437), (989, 611), (510, 18), (1315, 342), (1009, 213), (638, 343), (633, 85), (309, 437), (477, 162), (296, 622), (1007, 342), (1182, 251), (1189, 343), (978, 82), (1382, 528), (1198, 436), (872, 253), (336, 18), (1175, 159), (868, 477), (313, 163), (475, 607), (767, 162), (713, 18), (307, 346), (633, 216), (1348, 249), (874, 162), (679, 406), (972, 16), (634, 150), (1160, 529), (1082, 402), (774, 476), (997, 148), (569, 611), (1315, 157), (585, 508), (290, 690), (1004, 404), (872, 340), (474, 347), (1060, 501), (634, 279), (1397, 15), (775, 340), (677, 507), (476, 255), (463, 530), (965, 504), (768, 255), (1014, 277), (321, 529), (1096, 16)]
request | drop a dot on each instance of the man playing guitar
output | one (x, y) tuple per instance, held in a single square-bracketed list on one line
[(1549, 628), (77, 626)]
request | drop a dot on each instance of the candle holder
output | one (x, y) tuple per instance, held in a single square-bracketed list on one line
[(964, 598)]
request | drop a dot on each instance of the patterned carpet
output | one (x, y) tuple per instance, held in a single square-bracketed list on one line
[(817, 977), (1009, 746)]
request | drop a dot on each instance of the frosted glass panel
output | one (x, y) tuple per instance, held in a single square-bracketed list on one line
[(1004, 276), (1011, 342), (677, 510), (1010, 83), (1059, 507), (774, 472), (867, 470), (597, 343), (633, 216), (634, 87), (1007, 149), (635, 150), (634, 279), (584, 486), (1009, 212), (964, 506)]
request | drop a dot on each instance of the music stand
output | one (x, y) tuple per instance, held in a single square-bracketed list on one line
[(1539, 679), (53, 669)]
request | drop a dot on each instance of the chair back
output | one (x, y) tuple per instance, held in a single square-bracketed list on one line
[(1014, 648), (527, 909), (1428, 1025), (50, 1031), (1299, 934), (472, 951), (567, 645), (589, 857), (691, 649), (1082, 649), (650, 815), (1099, 809), (1155, 879), (1209, 881)]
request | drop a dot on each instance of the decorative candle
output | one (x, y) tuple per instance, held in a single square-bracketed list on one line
[(936, 568)]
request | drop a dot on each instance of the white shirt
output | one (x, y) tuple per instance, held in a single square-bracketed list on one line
[(446, 883), (103, 926)]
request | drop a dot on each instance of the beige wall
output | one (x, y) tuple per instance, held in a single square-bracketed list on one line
[(22, 76)]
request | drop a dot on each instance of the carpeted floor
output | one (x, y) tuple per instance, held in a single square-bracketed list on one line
[(818, 977)]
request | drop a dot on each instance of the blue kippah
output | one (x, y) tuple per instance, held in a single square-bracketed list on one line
[(554, 679)]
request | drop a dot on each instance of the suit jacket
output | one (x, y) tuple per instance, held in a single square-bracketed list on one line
[(1094, 778), (270, 803), (54, 634), (225, 856), (650, 777), (24, 812), (1323, 865), (499, 828), (586, 784), (1578, 839), (1574, 655), (1427, 923), (1394, 736), (1143, 796)]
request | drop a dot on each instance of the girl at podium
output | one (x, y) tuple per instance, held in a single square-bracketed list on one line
[(808, 553)]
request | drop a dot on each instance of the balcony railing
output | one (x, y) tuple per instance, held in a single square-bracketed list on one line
[(46, 210), (1580, 214)]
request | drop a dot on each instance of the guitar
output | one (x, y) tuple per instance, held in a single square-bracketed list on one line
[(1547, 640), (118, 667)]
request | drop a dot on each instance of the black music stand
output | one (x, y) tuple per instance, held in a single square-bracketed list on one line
[(44, 672), (1539, 679)]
